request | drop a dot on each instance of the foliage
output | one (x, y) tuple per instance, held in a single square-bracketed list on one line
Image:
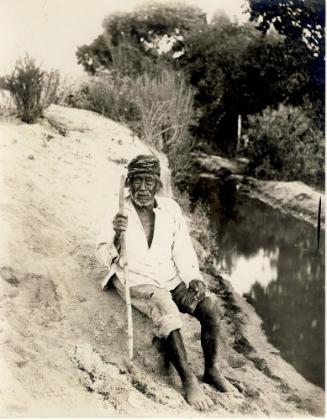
[(148, 23), (233, 70), (285, 145), (32, 89), (199, 225), (71, 91), (165, 104), (299, 20), (139, 34), (237, 71), (124, 58), (157, 107), (112, 97), (3, 82), (302, 23), (50, 88)]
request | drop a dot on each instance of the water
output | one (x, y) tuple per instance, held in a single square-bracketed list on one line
[(272, 260)]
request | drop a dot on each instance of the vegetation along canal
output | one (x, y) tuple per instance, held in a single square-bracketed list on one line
[(272, 260)]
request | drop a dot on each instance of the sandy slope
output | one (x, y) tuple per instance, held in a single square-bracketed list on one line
[(62, 340)]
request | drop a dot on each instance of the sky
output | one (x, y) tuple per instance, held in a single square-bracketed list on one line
[(51, 30)]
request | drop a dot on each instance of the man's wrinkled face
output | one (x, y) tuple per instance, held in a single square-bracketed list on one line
[(143, 188)]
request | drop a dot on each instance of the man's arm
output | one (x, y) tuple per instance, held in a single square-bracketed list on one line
[(108, 244), (184, 254)]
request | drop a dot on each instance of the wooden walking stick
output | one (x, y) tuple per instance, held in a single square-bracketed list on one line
[(319, 224), (125, 266)]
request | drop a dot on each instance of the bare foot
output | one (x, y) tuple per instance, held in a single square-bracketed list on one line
[(213, 377), (195, 396)]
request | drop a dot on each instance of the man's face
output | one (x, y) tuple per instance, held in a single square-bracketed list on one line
[(143, 188)]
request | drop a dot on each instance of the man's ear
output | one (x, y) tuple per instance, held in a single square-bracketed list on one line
[(158, 185), (127, 182)]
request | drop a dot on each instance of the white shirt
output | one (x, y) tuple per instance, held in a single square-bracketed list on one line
[(169, 260)]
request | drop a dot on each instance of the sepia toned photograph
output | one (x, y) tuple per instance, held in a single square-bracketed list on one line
[(162, 199)]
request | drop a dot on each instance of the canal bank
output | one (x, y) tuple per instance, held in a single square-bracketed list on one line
[(294, 198), (63, 339)]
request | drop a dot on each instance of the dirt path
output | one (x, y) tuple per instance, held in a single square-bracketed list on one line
[(62, 340)]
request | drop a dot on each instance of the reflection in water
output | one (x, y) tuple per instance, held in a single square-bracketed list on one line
[(273, 261), (245, 271)]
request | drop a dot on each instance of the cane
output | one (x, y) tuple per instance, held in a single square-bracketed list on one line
[(127, 293)]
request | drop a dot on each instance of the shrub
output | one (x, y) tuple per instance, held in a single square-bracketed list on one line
[(50, 87), (112, 96), (32, 89), (166, 108), (3, 83), (285, 145), (156, 106), (72, 92), (166, 113)]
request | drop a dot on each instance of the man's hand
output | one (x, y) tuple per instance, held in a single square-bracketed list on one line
[(197, 287), (119, 226), (119, 223), (189, 297)]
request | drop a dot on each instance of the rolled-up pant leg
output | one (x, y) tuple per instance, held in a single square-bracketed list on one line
[(159, 306)]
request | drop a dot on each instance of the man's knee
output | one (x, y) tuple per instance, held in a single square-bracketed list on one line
[(164, 313), (207, 311), (163, 303), (162, 297)]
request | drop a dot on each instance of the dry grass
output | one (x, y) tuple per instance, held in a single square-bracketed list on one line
[(166, 108)]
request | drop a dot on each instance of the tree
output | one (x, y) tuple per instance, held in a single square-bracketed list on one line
[(126, 58), (141, 35), (302, 22), (299, 20), (236, 70)]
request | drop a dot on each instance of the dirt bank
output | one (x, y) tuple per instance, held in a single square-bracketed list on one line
[(62, 339)]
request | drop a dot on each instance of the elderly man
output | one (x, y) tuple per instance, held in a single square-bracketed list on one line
[(164, 275)]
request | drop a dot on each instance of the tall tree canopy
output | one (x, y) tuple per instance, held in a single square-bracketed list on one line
[(142, 35), (302, 22), (234, 69), (299, 20)]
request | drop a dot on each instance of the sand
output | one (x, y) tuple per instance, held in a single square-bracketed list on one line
[(62, 339)]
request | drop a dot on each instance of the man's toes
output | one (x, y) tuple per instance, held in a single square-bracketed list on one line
[(196, 405), (202, 405), (205, 405)]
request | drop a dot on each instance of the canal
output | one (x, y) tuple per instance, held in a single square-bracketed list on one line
[(273, 261)]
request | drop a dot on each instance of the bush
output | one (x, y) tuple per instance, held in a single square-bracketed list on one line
[(285, 145), (49, 94), (156, 106), (112, 96), (32, 89), (166, 109)]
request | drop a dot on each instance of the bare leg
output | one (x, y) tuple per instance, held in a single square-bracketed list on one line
[(176, 353), (207, 316)]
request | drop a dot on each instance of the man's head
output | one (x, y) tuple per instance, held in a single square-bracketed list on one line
[(143, 179)]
